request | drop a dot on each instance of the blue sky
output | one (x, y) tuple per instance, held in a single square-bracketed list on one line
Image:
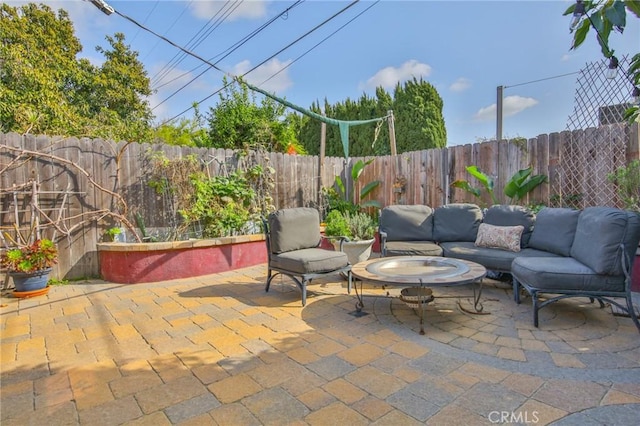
[(464, 48)]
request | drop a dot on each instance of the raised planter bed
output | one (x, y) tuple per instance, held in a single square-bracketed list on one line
[(132, 263)]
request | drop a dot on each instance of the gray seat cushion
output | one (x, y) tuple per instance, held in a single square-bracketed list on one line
[(413, 248), (310, 260), (456, 222), (509, 215), (490, 258), (294, 229), (562, 274), (599, 235), (407, 222), (555, 230)]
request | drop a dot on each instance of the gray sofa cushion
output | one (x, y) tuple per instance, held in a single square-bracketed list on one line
[(304, 219), (508, 215), (562, 274), (310, 260), (599, 234), (490, 258), (412, 248), (456, 222), (554, 230), (407, 222)]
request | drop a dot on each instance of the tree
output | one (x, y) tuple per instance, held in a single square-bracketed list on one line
[(605, 16), (46, 89), (39, 70), (419, 123), (239, 122), (186, 132)]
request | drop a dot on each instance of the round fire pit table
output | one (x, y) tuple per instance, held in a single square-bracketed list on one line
[(421, 271)]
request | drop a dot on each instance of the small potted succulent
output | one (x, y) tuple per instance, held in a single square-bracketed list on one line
[(359, 229), (30, 265)]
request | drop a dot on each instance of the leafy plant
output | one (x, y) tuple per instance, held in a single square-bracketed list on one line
[(606, 16), (342, 199), (221, 204), (39, 255), (112, 233), (485, 180), (523, 183), (627, 180), (516, 189), (355, 226)]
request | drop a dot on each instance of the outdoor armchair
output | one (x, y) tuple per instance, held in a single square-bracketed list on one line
[(293, 238)]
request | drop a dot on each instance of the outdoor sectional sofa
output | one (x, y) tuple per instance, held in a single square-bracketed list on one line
[(559, 251)]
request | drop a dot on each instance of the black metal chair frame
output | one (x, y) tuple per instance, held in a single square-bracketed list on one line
[(301, 279), (601, 296)]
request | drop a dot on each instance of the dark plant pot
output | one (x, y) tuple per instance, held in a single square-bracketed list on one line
[(30, 281)]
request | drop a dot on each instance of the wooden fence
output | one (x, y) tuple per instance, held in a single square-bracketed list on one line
[(115, 170)]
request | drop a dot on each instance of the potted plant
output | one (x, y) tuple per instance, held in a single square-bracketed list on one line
[(627, 181), (30, 265), (359, 230)]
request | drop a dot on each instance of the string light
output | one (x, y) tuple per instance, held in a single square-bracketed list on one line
[(636, 95), (612, 71), (578, 11)]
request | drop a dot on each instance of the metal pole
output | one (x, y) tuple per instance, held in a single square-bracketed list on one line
[(499, 114)]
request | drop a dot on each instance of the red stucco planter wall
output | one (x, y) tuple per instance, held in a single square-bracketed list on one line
[(132, 263)]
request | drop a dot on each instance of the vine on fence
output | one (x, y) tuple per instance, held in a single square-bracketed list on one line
[(229, 203)]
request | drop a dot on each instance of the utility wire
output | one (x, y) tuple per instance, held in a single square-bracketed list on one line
[(226, 53), (542, 79), (236, 45), (320, 42), (168, 29), (192, 43), (260, 64)]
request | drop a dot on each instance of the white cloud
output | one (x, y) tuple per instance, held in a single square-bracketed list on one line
[(460, 85), (511, 105), (253, 9), (390, 76), (276, 83)]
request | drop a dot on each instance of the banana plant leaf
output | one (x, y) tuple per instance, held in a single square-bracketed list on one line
[(463, 184), (484, 179)]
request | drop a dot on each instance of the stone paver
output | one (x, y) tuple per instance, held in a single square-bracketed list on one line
[(218, 350)]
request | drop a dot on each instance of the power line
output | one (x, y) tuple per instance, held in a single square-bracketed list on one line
[(261, 63), (542, 79), (320, 42), (175, 21), (227, 52), (195, 41)]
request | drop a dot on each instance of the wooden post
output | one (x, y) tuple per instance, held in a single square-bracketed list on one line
[(499, 113), (323, 142), (392, 133)]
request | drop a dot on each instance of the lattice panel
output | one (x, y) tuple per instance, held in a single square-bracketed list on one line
[(596, 145)]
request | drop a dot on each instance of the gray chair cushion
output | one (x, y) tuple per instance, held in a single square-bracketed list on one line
[(508, 215), (554, 230), (456, 222), (490, 258), (599, 234), (286, 229), (413, 248), (407, 222), (310, 260), (562, 274)]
